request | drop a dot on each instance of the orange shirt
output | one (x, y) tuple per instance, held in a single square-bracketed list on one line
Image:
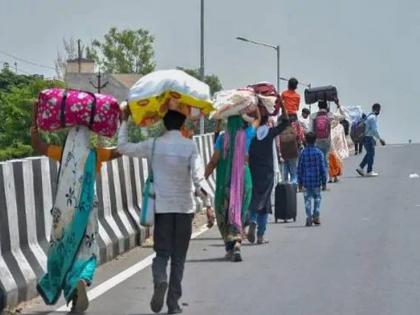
[(103, 155), (291, 101)]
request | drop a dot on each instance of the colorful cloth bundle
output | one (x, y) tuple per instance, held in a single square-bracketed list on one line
[(268, 97), (157, 92), (61, 108), (245, 101), (234, 102)]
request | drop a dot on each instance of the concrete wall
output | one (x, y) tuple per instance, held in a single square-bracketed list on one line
[(27, 188)]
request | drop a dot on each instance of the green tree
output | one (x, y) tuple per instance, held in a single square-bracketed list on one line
[(16, 103), (126, 51)]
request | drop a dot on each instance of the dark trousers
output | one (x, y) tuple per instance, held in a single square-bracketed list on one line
[(358, 147), (369, 143), (172, 234)]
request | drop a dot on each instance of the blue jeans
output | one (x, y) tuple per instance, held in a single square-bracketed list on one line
[(325, 147), (315, 195), (369, 143), (290, 168), (260, 219)]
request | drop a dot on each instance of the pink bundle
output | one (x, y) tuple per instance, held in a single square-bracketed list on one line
[(60, 108)]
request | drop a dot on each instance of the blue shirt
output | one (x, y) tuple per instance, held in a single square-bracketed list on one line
[(312, 172), (250, 133), (372, 126)]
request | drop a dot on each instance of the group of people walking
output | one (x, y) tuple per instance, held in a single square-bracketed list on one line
[(244, 159)]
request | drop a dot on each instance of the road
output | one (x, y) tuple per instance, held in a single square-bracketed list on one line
[(364, 259)]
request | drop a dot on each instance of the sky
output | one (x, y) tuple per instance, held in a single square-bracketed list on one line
[(368, 49)]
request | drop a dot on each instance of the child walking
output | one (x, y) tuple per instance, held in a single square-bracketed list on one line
[(312, 177)]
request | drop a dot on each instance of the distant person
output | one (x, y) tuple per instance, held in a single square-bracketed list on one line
[(261, 163), (304, 121), (288, 146), (339, 151), (312, 177), (178, 174), (291, 99), (355, 137), (320, 125), (371, 133)]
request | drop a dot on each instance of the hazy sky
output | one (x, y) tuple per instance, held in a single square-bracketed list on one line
[(369, 49)]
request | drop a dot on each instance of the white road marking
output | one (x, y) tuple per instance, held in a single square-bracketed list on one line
[(124, 275), (414, 175)]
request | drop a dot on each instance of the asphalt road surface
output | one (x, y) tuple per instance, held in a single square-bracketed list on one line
[(364, 259)]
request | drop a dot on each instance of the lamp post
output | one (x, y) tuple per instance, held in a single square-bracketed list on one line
[(202, 74), (275, 47)]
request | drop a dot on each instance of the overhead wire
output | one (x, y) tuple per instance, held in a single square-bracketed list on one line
[(25, 60)]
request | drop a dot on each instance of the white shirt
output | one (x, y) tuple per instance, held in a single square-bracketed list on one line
[(177, 168), (305, 124)]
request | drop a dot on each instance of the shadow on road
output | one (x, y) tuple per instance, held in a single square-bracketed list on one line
[(217, 259), (207, 239), (223, 245)]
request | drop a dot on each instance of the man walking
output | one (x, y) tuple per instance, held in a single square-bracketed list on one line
[(304, 121), (371, 132), (320, 125), (177, 170)]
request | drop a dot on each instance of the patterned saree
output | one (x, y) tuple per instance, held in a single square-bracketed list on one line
[(72, 251)]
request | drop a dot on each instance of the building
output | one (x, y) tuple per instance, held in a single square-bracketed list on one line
[(80, 74)]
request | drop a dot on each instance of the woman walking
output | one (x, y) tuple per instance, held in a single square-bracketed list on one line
[(261, 163), (233, 181), (339, 150), (72, 253)]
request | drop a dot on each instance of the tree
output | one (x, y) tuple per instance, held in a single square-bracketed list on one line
[(126, 51), (17, 95)]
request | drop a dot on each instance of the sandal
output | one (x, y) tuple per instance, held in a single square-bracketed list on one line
[(237, 253), (80, 299)]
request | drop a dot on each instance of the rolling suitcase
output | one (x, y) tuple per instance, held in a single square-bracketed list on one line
[(285, 204)]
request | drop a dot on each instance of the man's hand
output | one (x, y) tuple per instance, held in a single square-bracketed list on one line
[(337, 102), (210, 217), (324, 187), (382, 141)]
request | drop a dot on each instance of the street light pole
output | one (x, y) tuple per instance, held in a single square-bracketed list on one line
[(278, 68), (277, 48), (202, 56)]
